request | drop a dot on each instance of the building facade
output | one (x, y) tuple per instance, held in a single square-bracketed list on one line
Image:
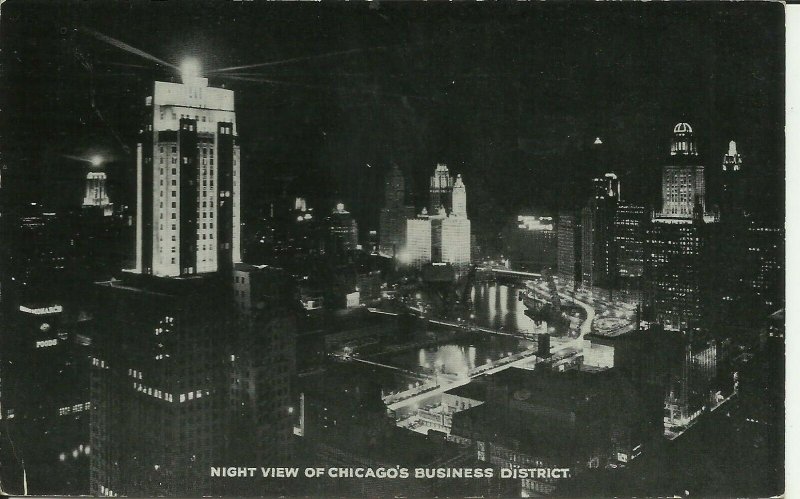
[(394, 214), (630, 222), (568, 230), (342, 231), (677, 265), (441, 189), (597, 221), (441, 237), (96, 194), (191, 365), (532, 243), (188, 175), (419, 240)]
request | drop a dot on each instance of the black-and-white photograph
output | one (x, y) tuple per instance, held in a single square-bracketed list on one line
[(392, 249)]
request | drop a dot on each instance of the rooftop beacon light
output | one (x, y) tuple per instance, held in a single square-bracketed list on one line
[(190, 69)]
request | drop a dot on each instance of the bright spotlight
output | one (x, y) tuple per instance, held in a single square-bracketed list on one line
[(190, 68), (96, 160)]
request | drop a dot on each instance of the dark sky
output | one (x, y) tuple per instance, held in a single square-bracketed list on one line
[(510, 95)]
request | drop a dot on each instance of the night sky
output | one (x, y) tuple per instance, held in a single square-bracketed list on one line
[(510, 95)]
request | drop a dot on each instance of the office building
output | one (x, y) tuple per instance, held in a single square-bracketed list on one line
[(630, 221), (96, 195), (185, 356), (597, 221), (342, 231), (676, 251), (441, 189), (419, 240), (531, 243), (683, 186), (732, 201), (188, 175), (262, 367), (568, 234), (394, 214), (442, 237), (456, 229)]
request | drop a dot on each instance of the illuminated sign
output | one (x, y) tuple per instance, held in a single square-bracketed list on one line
[(46, 343), (54, 309)]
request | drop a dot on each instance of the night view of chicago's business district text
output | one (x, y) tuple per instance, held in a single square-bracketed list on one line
[(391, 249)]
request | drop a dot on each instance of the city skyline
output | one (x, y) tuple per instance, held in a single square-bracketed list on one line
[(412, 98), (536, 252)]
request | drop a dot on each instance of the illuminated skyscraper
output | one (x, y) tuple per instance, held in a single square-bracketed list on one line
[(194, 345), (418, 240), (96, 194), (456, 229), (732, 202), (187, 165), (683, 186), (459, 206), (441, 189), (677, 240)]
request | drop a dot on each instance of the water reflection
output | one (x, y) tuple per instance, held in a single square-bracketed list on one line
[(497, 306), (448, 359)]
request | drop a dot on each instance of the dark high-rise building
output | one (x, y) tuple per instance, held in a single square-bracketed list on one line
[(394, 213), (568, 231), (732, 202), (765, 262), (675, 252), (597, 220), (342, 231), (158, 384), (531, 243), (260, 409), (677, 241), (441, 191), (44, 400), (629, 235)]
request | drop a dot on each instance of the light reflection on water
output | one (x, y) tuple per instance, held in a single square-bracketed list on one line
[(495, 306), (448, 359)]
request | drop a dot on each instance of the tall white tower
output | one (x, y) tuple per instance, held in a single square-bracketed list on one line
[(459, 197), (188, 181), (456, 229)]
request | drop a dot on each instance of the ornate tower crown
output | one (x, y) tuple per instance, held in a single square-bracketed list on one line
[(683, 141)]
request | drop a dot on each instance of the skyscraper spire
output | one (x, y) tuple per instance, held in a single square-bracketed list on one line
[(441, 188), (732, 161), (459, 197)]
